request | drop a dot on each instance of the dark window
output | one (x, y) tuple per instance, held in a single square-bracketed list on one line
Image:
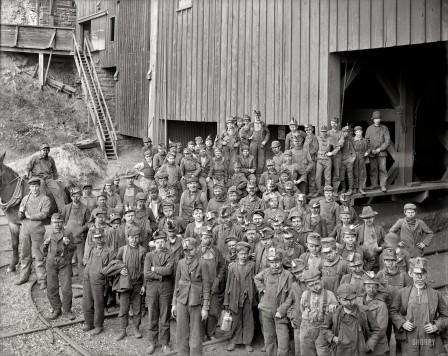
[(112, 29)]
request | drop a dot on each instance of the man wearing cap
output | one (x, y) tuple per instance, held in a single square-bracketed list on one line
[(97, 256), (252, 236), (271, 190), (115, 236), (323, 163), (174, 172), (291, 306), (211, 256), (159, 292), (311, 144), (273, 211), (302, 158), (245, 132), (99, 216), (194, 228), (159, 157), (273, 285), (174, 244), (289, 196), (295, 132), (204, 162), (34, 209), (43, 166), (391, 240), (168, 216), (334, 266), (87, 198), (147, 146), (313, 258), (58, 248), (351, 328), (298, 229), (239, 179), (316, 303), (270, 174), (151, 203), (284, 176), (278, 157), (258, 139), (350, 245), (191, 300), (419, 314), (414, 234), (343, 226), (191, 197), (336, 137), (329, 209), (293, 250), (231, 256), (76, 218), (129, 192), (225, 228), (145, 218), (356, 274), (359, 167), (189, 167), (378, 139), (300, 208), (146, 171), (113, 200), (261, 249), (346, 205), (252, 202), (314, 221), (218, 172), (347, 161), (375, 302), (290, 166), (247, 163), (133, 257), (239, 297)]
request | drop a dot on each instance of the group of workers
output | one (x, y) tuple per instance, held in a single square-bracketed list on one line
[(208, 233)]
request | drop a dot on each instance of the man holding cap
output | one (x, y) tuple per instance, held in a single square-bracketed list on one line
[(378, 138), (34, 209), (191, 300), (43, 166), (419, 314), (351, 329)]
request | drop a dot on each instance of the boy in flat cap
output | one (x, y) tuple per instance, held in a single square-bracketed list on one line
[(239, 179), (244, 131), (273, 285), (359, 167), (162, 182), (219, 200), (311, 144), (239, 297), (302, 158), (189, 167), (278, 157), (133, 257), (300, 206), (231, 256), (159, 157), (419, 314), (148, 146), (230, 142), (350, 245), (194, 228), (174, 172), (87, 198), (351, 328), (343, 226), (391, 240), (129, 192), (378, 139), (149, 207), (252, 236), (97, 256), (346, 205), (273, 209), (191, 197), (289, 165), (218, 172), (204, 162), (347, 160), (324, 163), (314, 221), (115, 236), (316, 304), (247, 163), (34, 209), (295, 132), (337, 142), (58, 248), (191, 300), (334, 266), (356, 273), (209, 149), (298, 229), (289, 196), (225, 228), (313, 258), (271, 173), (329, 209), (292, 249), (261, 250), (258, 139), (168, 216), (252, 202), (146, 171), (159, 292), (414, 234), (113, 200)]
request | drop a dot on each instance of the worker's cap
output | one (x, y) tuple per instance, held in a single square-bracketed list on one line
[(187, 151), (34, 181), (75, 191), (217, 149), (287, 232), (44, 145), (358, 128), (335, 119), (289, 185), (367, 212), (311, 275), (258, 212), (147, 153), (346, 128), (170, 227), (301, 197), (391, 240), (344, 197), (99, 210), (98, 233), (172, 144), (189, 243), (147, 140), (192, 180), (218, 186), (273, 196), (171, 192), (315, 204), (198, 138), (376, 115), (209, 138), (237, 164), (171, 154), (314, 238), (251, 226), (134, 230), (410, 206), (86, 185), (275, 144), (328, 188), (101, 193), (230, 120), (323, 128), (232, 189), (197, 206), (247, 118), (328, 244), (244, 147), (270, 163), (243, 245), (140, 196), (354, 259), (293, 122), (251, 184), (114, 217), (287, 153), (347, 291), (210, 215), (418, 265), (295, 214), (225, 211), (266, 234), (161, 175), (286, 172), (297, 266), (350, 232), (389, 254), (230, 238), (368, 279), (56, 217), (128, 209), (344, 213), (162, 145), (309, 127), (241, 212), (277, 219), (167, 204), (109, 181), (153, 189), (159, 235), (239, 119), (275, 254), (298, 138)]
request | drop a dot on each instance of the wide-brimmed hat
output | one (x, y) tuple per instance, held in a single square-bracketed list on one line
[(367, 212)]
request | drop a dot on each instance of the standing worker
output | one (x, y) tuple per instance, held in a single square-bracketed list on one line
[(34, 208), (258, 140), (336, 142)]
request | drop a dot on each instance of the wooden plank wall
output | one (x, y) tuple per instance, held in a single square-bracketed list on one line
[(132, 89)]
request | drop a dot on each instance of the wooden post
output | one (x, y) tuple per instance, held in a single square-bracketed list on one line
[(41, 70), (407, 102), (153, 126), (37, 12), (334, 87)]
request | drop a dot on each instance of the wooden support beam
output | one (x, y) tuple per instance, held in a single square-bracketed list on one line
[(388, 87), (48, 66), (153, 124), (16, 37), (41, 69), (52, 40), (389, 115), (349, 77)]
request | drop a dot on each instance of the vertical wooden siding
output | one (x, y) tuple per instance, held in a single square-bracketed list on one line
[(132, 89)]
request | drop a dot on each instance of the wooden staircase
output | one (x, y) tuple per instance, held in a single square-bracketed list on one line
[(95, 101)]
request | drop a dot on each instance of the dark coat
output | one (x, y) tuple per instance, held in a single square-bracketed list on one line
[(233, 286), (85, 213), (291, 306), (319, 226), (411, 237)]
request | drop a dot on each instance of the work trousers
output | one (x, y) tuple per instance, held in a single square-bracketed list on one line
[(312, 179), (32, 237), (297, 342), (312, 341), (79, 253), (189, 330), (55, 190), (93, 301), (336, 162), (378, 163), (259, 154), (213, 315), (59, 272), (347, 168), (276, 334), (323, 166), (158, 299), (243, 325), (126, 298), (359, 173), (203, 184)]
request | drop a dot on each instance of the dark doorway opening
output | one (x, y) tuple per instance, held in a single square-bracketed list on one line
[(184, 131)]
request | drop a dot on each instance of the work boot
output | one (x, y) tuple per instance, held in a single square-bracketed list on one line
[(87, 328), (97, 330), (231, 347), (249, 348), (121, 335), (43, 285), (20, 281), (151, 349), (137, 333), (166, 349), (263, 349), (70, 315), (384, 189), (349, 192), (56, 314), (362, 191)]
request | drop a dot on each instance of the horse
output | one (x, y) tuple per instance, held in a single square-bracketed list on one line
[(13, 188)]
